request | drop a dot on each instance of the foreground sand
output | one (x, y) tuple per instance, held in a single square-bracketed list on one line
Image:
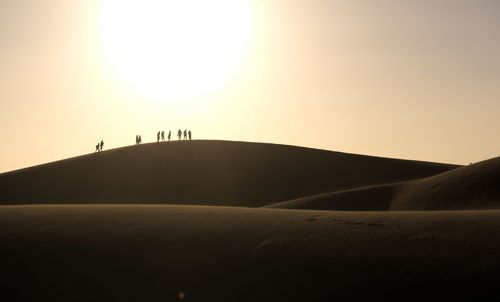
[(152, 252)]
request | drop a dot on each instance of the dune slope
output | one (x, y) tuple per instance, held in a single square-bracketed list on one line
[(471, 187), (153, 252), (206, 173), (371, 198)]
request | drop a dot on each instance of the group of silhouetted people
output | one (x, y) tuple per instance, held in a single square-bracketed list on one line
[(138, 139), (99, 146), (182, 135), (187, 134), (161, 134)]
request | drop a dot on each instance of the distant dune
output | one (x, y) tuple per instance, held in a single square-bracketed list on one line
[(154, 252), (470, 187), (204, 173)]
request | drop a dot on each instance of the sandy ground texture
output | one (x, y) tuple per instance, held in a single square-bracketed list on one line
[(155, 252)]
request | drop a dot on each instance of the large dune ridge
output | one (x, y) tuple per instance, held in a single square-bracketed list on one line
[(475, 186), (153, 252), (205, 173)]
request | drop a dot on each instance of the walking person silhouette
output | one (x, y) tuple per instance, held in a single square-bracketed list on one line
[(169, 132), (189, 134), (158, 136), (179, 134), (163, 135), (102, 144), (96, 148), (185, 135)]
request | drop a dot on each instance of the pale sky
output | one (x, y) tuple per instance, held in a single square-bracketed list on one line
[(406, 79)]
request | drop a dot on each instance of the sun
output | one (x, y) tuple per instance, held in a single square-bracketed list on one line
[(175, 49)]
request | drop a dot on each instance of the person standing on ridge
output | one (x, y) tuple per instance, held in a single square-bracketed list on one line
[(169, 133), (163, 135), (189, 134), (179, 134), (158, 136), (185, 134), (102, 144)]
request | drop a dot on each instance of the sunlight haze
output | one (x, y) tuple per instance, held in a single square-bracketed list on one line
[(405, 79)]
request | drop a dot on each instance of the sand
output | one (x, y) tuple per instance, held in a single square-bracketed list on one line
[(236, 221), (153, 252)]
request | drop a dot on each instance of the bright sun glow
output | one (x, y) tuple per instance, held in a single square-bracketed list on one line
[(168, 49)]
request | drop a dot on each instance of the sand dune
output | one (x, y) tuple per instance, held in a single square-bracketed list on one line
[(153, 252), (206, 173), (471, 187)]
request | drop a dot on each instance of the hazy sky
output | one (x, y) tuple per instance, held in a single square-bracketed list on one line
[(407, 79)]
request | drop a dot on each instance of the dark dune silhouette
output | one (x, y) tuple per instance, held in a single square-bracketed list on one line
[(153, 252), (475, 186), (206, 173)]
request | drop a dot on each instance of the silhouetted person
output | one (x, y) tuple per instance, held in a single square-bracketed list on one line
[(102, 144), (169, 133), (189, 134), (163, 135), (140, 139), (179, 134), (185, 135), (158, 136), (136, 139), (96, 148)]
